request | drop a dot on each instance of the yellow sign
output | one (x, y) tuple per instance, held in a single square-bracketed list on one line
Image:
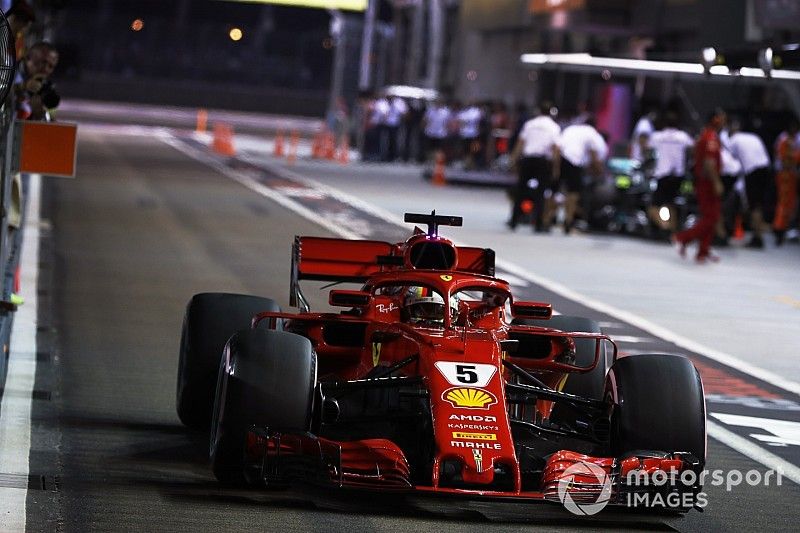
[(349, 5), (376, 353), (446, 277), (469, 398), (474, 436)]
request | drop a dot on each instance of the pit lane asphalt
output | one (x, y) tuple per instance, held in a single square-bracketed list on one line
[(141, 229)]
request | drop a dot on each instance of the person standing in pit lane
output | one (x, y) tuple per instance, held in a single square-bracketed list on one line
[(644, 126), (537, 159), (751, 152), (670, 145), (708, 188), (469, 124), (396, 109), (730, 203), (435, 122), (583, 151), (375, 113), (788, 154)]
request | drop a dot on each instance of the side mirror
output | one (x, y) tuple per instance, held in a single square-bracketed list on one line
[(531, 310), (342, 298)]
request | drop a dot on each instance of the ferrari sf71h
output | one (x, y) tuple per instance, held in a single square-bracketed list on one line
[(432, 378)]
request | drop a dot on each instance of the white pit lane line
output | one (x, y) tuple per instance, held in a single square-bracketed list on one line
[(15, 410), (716, 431)]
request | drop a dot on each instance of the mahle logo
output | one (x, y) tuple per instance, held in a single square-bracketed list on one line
[(584, 472)]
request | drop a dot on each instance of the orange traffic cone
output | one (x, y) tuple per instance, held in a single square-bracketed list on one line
[(316, 145), (330, 146), (202, 121), (278, 149), (344, 150), (223, 140), (738, 230), (438, 169), (292, 157)]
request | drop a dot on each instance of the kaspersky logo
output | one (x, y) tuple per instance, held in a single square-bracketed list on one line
[(469, 398), (589, 473)]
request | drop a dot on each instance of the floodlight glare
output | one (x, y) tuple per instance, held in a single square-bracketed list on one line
[(765, 60), (709, 56)]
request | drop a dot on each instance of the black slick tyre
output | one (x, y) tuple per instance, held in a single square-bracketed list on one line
[(209, 321), (267, 380), (657, 404)]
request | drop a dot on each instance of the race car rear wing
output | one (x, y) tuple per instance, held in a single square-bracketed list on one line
[(346, 260)]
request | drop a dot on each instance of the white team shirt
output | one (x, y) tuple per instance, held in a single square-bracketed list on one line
[(379, 111), (730, 165), (578, 140), (670, 146), (436, 120), (469, 122), (397, 109), (538, 137), (644, 125), (749, 149)]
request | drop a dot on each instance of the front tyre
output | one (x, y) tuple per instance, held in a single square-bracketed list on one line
[(657, 404), (266, 379)]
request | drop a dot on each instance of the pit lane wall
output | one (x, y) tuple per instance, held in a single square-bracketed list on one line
[(12, 210)]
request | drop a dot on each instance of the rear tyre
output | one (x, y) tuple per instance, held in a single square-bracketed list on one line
[(266, 379), (657, 403), (210, 319)]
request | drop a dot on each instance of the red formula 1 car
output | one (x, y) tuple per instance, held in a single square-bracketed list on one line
[(433, 378)]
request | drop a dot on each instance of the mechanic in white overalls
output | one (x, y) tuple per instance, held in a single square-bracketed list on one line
[(583, 151), (537, 159)]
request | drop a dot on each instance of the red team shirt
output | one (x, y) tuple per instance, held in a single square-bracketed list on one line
[(707, 146)]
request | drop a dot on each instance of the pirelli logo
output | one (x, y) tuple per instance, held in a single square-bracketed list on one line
[(474, 436)]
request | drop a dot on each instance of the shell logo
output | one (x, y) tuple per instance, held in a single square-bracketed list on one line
[(469, 398)]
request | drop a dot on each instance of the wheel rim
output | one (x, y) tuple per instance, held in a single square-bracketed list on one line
[(217, 416)]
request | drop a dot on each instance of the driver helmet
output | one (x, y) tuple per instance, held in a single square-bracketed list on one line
[(425, 306)]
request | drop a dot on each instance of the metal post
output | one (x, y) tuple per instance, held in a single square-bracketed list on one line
[(338, 34), (435, 44), (365, 66), (412, 73)]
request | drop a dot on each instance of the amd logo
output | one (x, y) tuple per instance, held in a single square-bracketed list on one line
[(474, 418)]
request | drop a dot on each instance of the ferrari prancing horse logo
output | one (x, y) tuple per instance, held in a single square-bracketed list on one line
[(446, 277), (376, 353), (478, 456)]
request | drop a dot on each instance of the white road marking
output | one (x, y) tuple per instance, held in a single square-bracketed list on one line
[(754, 402), (631, 339), (15, 411), (258, 188), (755, 452), (781, 431), (513, 280)]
